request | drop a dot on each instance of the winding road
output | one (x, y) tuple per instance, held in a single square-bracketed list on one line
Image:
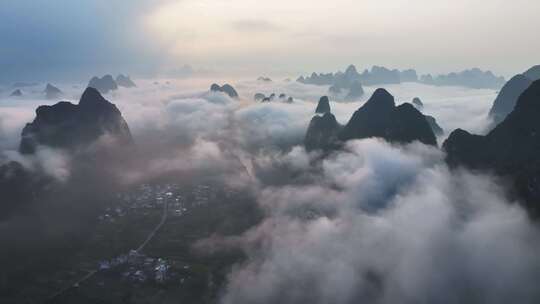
[(156, 229), (141, 247)]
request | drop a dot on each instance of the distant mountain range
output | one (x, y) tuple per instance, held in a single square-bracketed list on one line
[(108, 84), (473, 78)]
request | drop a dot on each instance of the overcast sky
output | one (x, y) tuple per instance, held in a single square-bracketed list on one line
[(66, 39)]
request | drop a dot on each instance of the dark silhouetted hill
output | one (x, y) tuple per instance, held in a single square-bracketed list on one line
[(323, 130), (226, 88), (533, 73), (322, 133), (510, 150), (69, 126), (379, 117), (323, 106)]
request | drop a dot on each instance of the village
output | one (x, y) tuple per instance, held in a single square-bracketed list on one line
[(142, 242)]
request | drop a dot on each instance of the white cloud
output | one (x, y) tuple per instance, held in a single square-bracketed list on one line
[(54, 163), (437, 236), (379, 222)]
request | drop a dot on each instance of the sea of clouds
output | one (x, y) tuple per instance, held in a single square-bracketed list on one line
[(376, 222)]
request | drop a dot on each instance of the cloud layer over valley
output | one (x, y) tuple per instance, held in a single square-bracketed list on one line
[(374, 222)]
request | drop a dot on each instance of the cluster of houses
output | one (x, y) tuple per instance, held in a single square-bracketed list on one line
[(137, 267)]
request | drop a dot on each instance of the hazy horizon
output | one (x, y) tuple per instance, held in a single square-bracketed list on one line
[(65, 39)]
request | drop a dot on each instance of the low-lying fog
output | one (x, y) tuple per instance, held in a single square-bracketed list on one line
[(394, 224), (157, 103)]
